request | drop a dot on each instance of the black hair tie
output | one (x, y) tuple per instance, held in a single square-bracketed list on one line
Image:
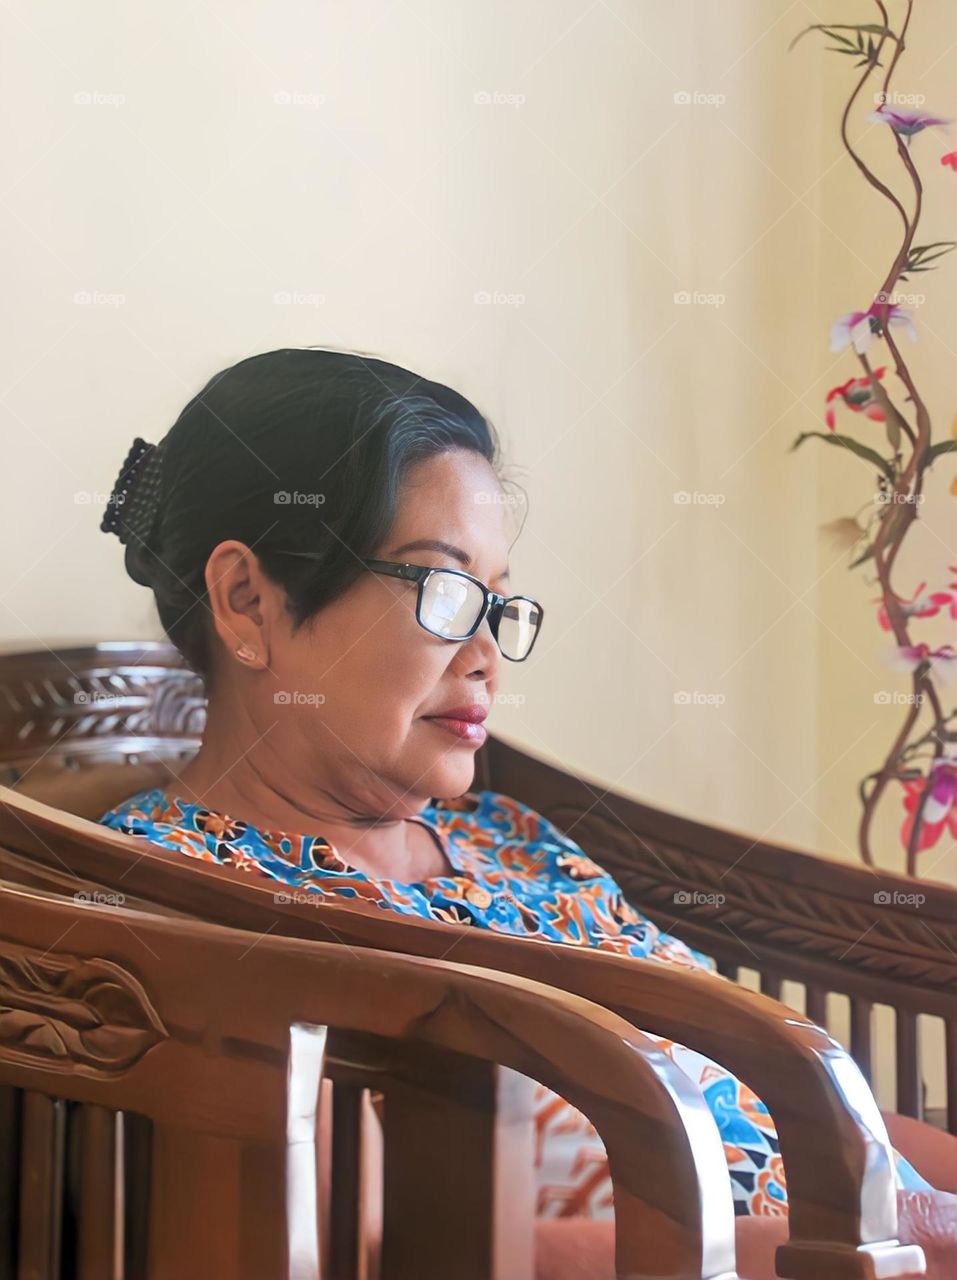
[(132, 505)]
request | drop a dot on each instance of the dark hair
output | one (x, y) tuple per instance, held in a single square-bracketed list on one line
[(338, 427)]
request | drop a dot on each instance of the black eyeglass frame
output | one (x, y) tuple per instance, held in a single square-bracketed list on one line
[(493, 607)]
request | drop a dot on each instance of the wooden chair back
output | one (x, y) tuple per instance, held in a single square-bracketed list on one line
[(162, 1079)]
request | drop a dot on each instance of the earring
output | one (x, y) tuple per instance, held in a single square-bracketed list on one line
[(245, 654)]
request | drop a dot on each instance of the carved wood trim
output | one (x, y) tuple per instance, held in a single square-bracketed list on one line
[(884, 939), (63, 1011), (120, 703), (113, 698)]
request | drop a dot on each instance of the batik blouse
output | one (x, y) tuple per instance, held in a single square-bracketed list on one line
[(514, 873)]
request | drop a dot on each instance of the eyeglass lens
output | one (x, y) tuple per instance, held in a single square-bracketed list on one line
[(450, 605)]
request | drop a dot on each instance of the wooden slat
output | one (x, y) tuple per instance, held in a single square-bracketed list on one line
[(908, 1068), (344, 1192), (861, 1036), (815, 1004), (771, 985), (43, 1127), (197, 1179), (950, 1041), (727, 969), (136, 1138), (9, 1178), (98, 1244), (458, 1175)]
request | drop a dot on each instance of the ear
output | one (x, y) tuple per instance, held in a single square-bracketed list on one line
[(240, 599)]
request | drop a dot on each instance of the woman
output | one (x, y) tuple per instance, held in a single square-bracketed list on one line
[(327, 538)]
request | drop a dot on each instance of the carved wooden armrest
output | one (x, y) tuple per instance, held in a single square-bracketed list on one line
[(837, 1157), (206, 1029)]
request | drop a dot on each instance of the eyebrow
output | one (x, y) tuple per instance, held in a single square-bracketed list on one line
[(445, 549)]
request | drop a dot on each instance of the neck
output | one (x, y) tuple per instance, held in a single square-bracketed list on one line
[(382, 844)]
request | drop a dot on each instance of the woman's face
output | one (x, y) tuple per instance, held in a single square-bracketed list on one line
[(343, 706)]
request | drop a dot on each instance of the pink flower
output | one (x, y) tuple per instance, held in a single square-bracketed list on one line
[(950, 158), (859, 327), (938, 812), (858, 395), (920, 606), (943, 660), (905, 123)]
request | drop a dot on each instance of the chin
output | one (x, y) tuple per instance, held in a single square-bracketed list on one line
[(450, 777)]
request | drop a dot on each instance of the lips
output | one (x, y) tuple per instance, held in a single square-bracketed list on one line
[(463, 722), (474, 713)]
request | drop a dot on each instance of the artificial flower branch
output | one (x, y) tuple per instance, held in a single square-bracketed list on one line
[(930, 797)]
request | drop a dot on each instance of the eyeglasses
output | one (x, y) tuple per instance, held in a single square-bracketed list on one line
[(452, 604)]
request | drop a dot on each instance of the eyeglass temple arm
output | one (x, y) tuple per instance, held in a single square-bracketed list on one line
[(410, 571)]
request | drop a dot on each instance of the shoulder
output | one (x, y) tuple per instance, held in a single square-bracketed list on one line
[(136, 810), (151, 815)]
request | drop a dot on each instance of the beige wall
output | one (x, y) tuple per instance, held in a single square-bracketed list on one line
[(220, 157)]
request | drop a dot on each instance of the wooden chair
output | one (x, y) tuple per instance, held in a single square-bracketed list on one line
[(842, 1205), (787, 913), (109, 1015)]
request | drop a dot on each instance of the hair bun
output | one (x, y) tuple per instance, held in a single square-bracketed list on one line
[(132, 505)]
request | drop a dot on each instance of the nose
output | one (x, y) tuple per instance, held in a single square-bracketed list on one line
[(479, 656)]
